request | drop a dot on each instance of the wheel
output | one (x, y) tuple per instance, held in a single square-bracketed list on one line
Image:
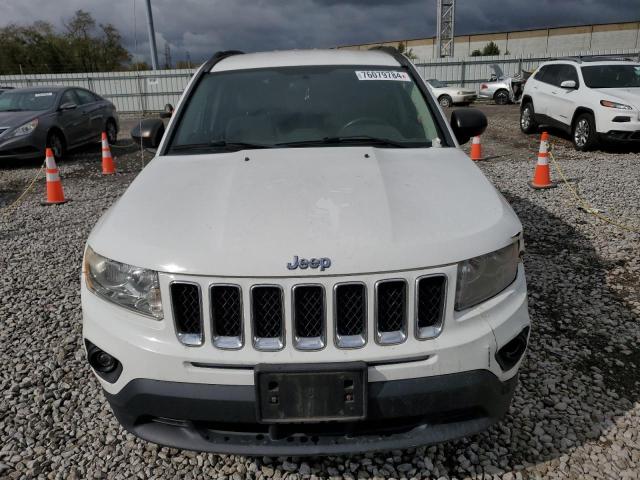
[(56, 143), (445, 101), (584, 133), (528, 122), (501, 97), (112, 132)]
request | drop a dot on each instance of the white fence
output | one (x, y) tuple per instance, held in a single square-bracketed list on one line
[(145, 91), (149, 91)]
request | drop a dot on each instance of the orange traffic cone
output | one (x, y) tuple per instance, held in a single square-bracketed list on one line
[(108, 168), (541, 176), (55, 194), (476, 149)]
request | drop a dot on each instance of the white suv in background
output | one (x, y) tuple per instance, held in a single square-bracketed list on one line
[(592, 98), (309, 265)]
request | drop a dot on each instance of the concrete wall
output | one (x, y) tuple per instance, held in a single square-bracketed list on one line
[(547, 41)]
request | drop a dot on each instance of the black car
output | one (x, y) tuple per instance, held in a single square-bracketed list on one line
[(62, 118)]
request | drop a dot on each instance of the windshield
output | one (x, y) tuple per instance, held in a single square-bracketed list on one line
[(304, 106), (26, 101), (436, 83), (611, 76)]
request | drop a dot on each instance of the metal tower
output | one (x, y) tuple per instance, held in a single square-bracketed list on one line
[(152, 37), (446, 21)]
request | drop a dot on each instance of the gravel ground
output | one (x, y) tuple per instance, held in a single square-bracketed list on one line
[(576, 412)]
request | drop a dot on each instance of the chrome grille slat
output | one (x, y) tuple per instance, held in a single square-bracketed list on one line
[(226, 316), (267, 316), (430, 303), (391, 311), (308, 316), (186, 303), (350, 311)]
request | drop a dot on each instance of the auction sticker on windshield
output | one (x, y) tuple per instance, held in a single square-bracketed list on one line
[(383, 75)]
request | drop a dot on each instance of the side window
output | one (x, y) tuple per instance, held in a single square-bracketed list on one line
[(68, 97), (84, 96), (540, 74), (568, 72), (552, 74)]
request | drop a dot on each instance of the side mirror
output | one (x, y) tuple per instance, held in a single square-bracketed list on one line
[(68, 106), (467, 123), (568, 84), (149, 132), (168, 111)]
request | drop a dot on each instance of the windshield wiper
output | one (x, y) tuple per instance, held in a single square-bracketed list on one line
[(356, 140), (12, 110), (218, 145)]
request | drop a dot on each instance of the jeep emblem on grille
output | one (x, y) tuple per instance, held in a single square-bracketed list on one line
[(303, 263)]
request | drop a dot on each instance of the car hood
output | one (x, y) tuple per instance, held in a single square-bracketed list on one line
[(15, 119), (248, 213), (629, 96)]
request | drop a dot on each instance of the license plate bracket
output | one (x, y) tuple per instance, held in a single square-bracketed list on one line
[(307, 393)]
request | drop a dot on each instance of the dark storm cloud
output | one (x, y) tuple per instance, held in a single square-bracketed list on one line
[(204, 26)]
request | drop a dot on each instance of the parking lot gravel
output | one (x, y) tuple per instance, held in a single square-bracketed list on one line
[(576, 412)]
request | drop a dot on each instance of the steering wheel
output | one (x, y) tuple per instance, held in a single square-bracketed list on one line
[(358, 120)]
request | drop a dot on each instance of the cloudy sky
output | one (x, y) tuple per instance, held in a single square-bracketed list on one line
[(204, 26)]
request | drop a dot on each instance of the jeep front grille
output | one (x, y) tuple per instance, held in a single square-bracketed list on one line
[(430, 303), (186, 303), (344, 314), (391, 311), (309, 317), (267, 317), (226, 316), (350, 311)]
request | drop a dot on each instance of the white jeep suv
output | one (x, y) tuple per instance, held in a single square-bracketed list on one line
[(592, 98), (309, 265)]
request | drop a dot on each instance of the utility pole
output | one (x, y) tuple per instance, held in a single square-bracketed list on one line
[(445, 32), (152, 37)]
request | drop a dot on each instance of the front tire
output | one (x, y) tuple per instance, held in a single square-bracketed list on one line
[(584, 134), (445, 101), (56, 143), (501, 97), (528, 122), (112, 132)]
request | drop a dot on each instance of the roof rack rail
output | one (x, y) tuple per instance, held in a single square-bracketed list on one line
[(602, 58), (221, 55)]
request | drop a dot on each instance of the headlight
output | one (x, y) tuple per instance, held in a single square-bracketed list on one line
[(128, 286), (25, 129), (460, 93), (483, 277), (621, 106)]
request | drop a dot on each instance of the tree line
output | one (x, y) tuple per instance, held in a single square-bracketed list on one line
[(81, 46)]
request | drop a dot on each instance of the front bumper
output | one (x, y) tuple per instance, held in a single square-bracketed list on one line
[(401, 414), (466, 98), (619, 125), (22, 148), (421, 391)]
